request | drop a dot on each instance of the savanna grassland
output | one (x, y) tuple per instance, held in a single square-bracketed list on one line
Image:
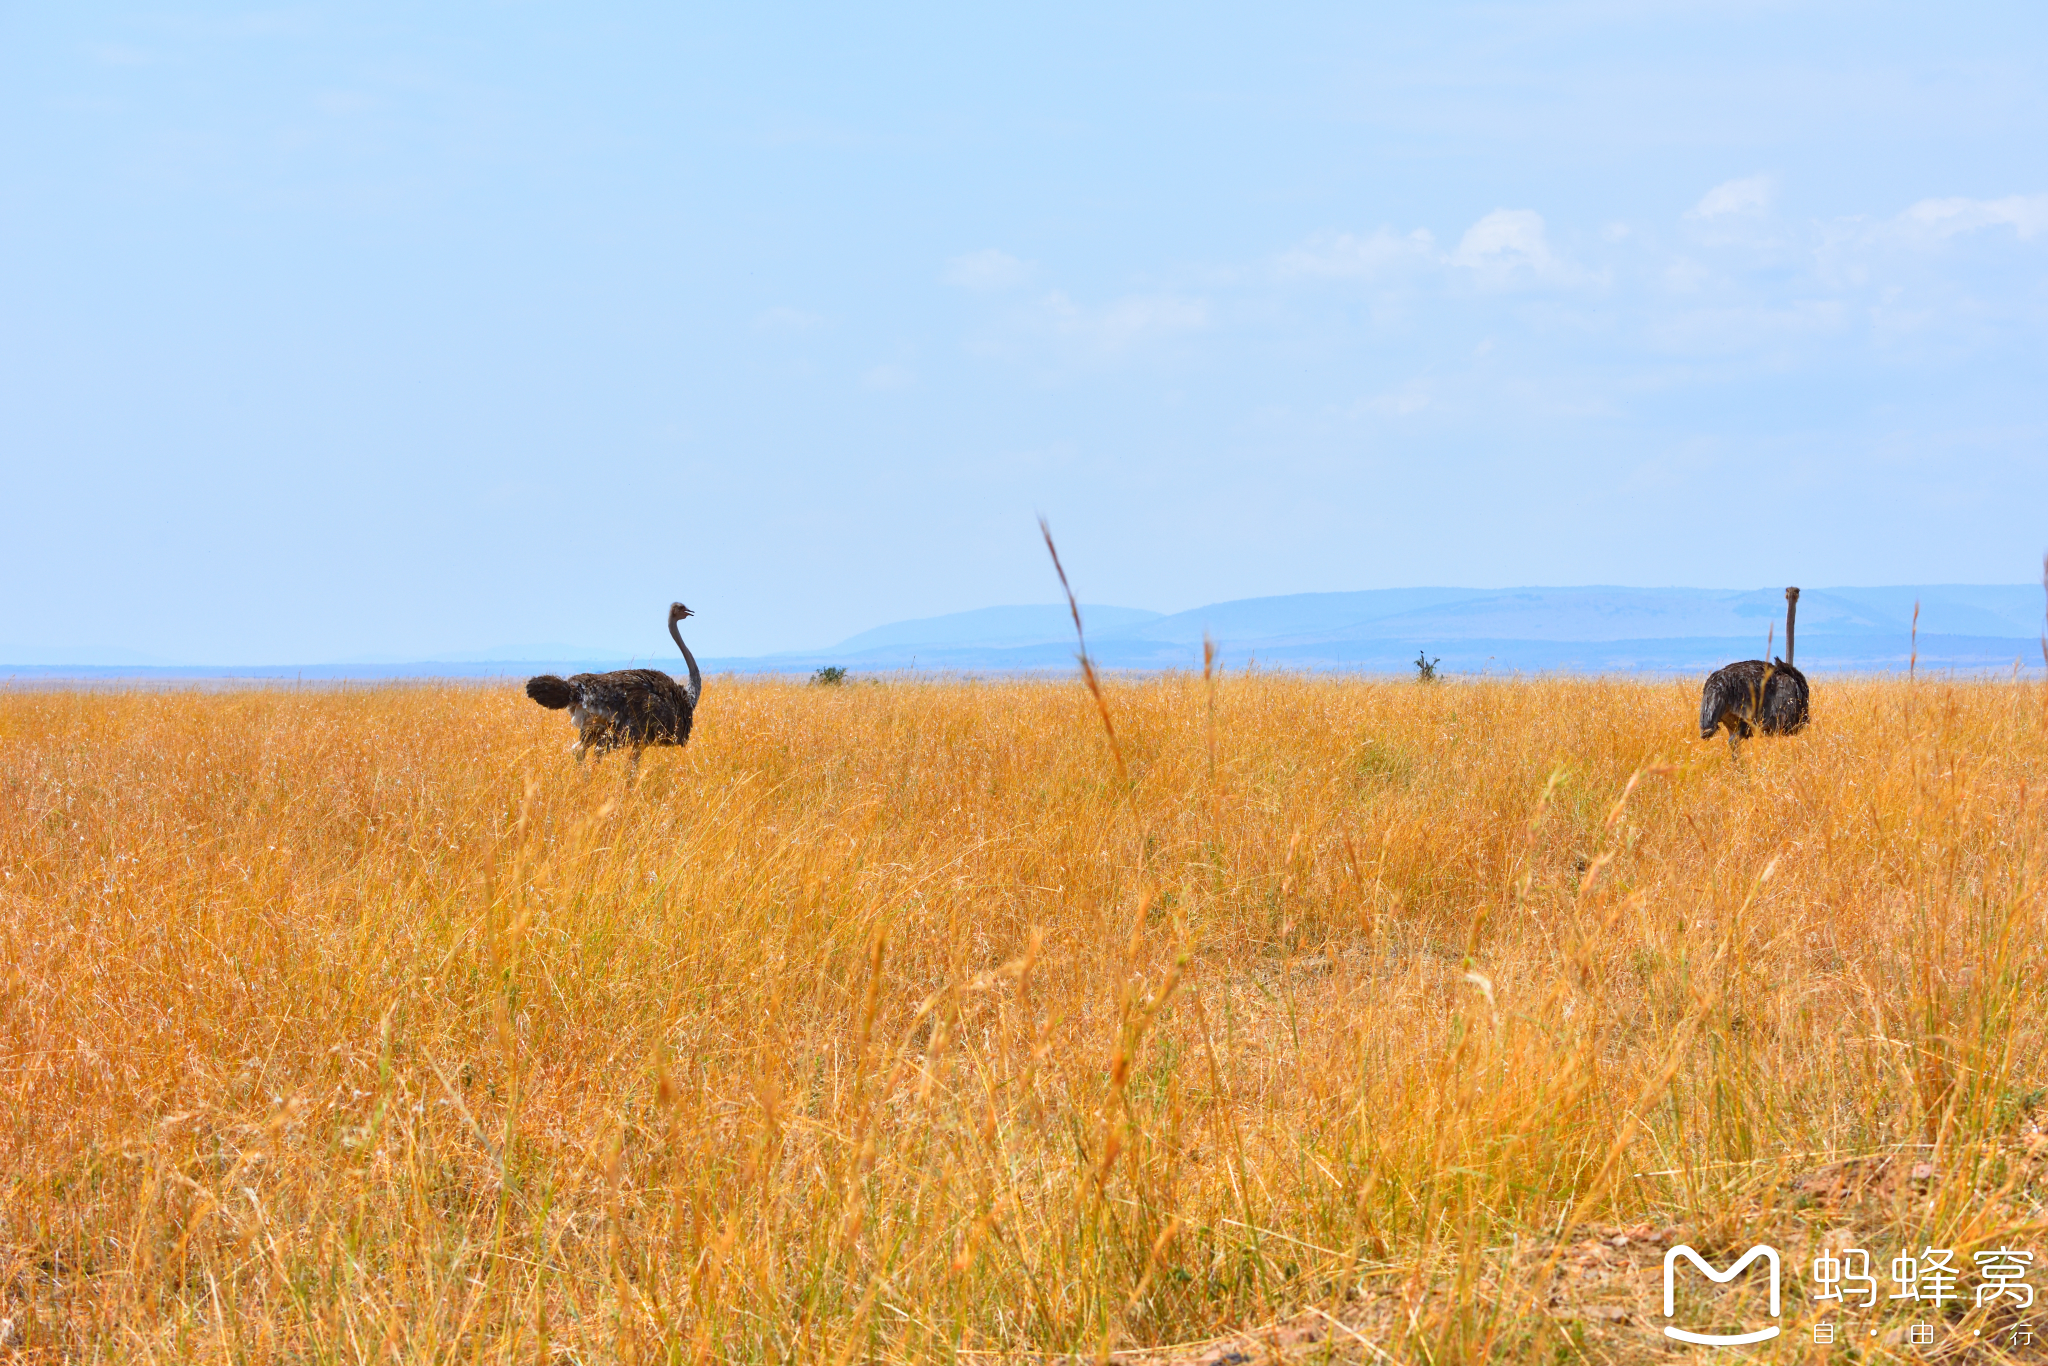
[(915, 1021)]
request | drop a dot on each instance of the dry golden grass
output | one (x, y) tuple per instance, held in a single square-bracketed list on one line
[(888, 1022)]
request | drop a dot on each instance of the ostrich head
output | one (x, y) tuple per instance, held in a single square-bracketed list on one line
[(676, 612)]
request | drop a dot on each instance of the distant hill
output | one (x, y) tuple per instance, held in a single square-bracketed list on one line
[(1498, 630), (1967, 627)]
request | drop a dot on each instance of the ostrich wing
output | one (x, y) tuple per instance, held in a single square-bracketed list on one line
[(1730, 691), (645, 705), (1786, 700)]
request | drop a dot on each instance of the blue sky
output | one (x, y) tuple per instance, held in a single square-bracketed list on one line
[(330, 331)]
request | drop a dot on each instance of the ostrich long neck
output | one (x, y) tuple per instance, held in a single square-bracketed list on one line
[(696, 687)]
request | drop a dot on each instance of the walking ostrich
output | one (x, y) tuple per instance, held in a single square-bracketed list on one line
[(1751, 694), (636, 707)]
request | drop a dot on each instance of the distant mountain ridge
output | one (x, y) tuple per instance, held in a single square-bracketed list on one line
[(1596, 629), (1593, 629)]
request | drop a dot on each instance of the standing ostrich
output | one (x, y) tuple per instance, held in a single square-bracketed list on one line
[(1750, 694), (636, 707)]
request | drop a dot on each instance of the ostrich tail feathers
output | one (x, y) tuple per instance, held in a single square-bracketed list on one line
[(551, 692)]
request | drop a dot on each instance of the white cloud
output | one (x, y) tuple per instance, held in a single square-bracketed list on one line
[(887, 377), (1765, 328), (1505, 248), (1512, 233), (1858, 253), (987, 271), (1750, 195), (787, 322), (1508, 246), (1127, 322), (1685, 275), (1738, 279), (1936, 219), (1346, 256)]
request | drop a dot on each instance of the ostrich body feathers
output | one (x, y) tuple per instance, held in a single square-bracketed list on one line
[(1751, 696)]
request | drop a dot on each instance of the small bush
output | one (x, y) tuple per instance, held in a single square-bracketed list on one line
[(831, 676), (1425, 667)]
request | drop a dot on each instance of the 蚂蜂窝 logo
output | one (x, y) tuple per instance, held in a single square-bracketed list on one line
[(1769, 1254)]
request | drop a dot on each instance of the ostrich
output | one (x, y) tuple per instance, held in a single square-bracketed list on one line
[(636, 707), (1750, 694)]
